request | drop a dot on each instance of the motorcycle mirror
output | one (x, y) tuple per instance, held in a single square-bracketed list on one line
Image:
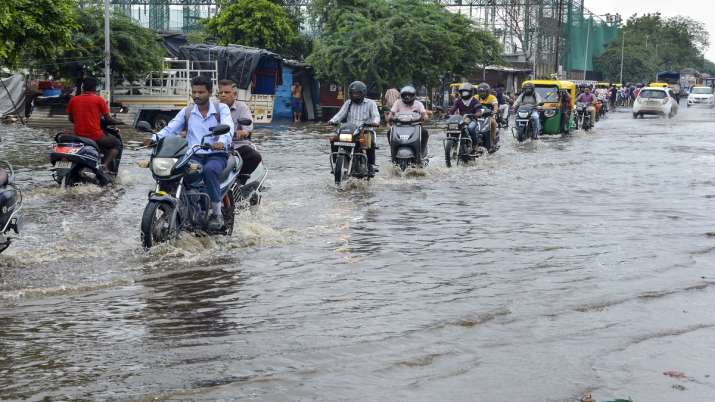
[(144, 126), (245, 122), (221, 129)]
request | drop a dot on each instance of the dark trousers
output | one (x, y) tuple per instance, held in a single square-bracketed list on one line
[(251, 159), (107, 143), (213, 166)]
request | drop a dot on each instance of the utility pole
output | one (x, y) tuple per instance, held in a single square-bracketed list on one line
[(107, 54), (623, 46), (558, 36)]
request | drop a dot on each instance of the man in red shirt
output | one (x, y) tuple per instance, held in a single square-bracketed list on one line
[(85, 112)]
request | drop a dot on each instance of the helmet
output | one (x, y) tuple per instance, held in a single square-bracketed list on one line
[(466, 91), (357, 91), (408, 94), (528, 88), (483, 90)]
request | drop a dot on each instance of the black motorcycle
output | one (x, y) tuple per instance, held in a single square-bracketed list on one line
[(457, 143), (10, 206), (583, 116), (348, 157), (406, 141), (484, 129), (180, 201), (77, 160), (523, 127)]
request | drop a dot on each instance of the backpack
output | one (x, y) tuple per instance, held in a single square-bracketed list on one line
[(189, 109)]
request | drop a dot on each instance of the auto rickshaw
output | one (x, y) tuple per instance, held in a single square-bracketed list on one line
[(552, 120)]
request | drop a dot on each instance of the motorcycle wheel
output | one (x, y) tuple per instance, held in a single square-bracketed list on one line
[(403, 163), (339, 161), (229, 214), (67, 181), (156, 225)]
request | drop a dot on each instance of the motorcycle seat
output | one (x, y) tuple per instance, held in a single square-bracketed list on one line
[(230, 166), (4, 179), (62, 137)]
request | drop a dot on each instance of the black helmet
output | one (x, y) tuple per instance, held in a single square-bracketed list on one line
[(357, 91), (483, 90), (408, 94), (466, 91)]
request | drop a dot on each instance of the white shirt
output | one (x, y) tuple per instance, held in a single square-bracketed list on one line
[(199, 126)]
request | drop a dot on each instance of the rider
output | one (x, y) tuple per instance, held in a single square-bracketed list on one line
[(203, 116), (227, 94), (489, 101), (466, 104), (359, 110), (590, 99), (408, 104), (530, 97), (85, 112), (503, 105)]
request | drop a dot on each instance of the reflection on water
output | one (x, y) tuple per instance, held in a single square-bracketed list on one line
[(544, 271)]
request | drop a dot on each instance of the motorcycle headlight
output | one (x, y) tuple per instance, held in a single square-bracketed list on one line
[(346, 138), (550, 112), (162, 166), (453, 126), (523, 115)]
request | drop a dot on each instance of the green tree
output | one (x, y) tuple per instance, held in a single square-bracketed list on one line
[(135, 50), (394, 42), (256, 23), (34, 29)]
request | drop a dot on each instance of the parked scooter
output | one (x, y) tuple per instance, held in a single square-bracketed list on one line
[(583, 116), (348, 157), (77, 160), (10, 206), (406, 141), (523, 128), (180, 202)]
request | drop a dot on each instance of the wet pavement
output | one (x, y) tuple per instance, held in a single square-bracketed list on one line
[(544, 271)]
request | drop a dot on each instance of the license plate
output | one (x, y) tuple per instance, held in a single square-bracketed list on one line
[(344, 144), (63, 165), (404, 137)]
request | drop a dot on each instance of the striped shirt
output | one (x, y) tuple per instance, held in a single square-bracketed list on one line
[(363, 113)]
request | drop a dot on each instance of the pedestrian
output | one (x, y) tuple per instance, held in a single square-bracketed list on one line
[(391, 96), (296, 91)]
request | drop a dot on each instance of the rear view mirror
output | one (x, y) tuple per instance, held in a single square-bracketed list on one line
[(221, 129), (144, 126), (245, 122)]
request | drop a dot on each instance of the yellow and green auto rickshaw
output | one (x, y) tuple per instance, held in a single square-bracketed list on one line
[(553, 120)]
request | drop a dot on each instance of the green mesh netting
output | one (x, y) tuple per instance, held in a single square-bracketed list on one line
[(580, 29)]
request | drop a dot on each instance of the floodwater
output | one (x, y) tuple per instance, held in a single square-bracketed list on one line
[(545, 271)]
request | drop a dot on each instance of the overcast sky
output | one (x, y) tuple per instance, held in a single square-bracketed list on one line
[(701, 10)]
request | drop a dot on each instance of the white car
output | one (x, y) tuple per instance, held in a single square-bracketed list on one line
[(701, 96), (658, 101)]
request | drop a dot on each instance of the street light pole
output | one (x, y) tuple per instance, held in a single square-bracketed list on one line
[(107, 54), (623, 46), (585, 57)]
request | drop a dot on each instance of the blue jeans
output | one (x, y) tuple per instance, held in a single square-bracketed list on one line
[(472, 128), (535, 123), (213, 166)]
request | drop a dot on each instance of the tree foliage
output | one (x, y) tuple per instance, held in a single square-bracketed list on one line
[(256, 23), (654, 43), (34, 29), (135, 50), (394, 42)]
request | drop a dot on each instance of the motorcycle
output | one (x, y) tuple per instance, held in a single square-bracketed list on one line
[(583, 116), (10, 206), (484, 129), (348, 157), (406, 141), (180, 202), (503, 118), (457, 142), (522, 124), (77, 160)]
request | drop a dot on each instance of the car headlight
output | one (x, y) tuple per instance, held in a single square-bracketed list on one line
[(550, 112), (346, 138), (162, 166)]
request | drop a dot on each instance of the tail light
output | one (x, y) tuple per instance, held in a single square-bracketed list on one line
[(65, 149)]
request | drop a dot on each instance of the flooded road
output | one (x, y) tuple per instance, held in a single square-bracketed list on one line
[(546, 270)]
